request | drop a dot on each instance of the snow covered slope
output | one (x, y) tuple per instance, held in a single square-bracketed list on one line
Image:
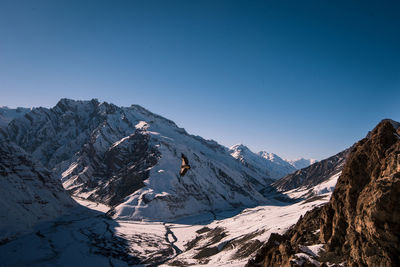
[(304, 192), (8, 114), (279, 166), (266, 164), (130, 158), (88, 236), (232, 241), (29, 193)]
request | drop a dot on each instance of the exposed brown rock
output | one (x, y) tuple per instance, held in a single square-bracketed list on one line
[(360, 225), (362, 220)]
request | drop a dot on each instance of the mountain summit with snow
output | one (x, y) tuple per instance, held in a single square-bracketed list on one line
[(126, 163), (268, 164), (164, 197), (129, 158)]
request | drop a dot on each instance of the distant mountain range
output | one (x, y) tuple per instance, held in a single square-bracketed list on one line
[(268, 164)]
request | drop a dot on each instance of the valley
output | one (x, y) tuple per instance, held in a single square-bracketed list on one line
[(87, 234), (92, 184)]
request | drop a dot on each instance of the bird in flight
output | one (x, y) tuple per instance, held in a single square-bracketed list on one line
[(185, 165)]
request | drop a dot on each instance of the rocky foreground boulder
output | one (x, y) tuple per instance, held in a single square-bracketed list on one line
[(360, 226)]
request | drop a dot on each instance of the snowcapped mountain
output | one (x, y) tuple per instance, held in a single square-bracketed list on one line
[(267, 164), (301, 163), (280, 166), (29, 193), (129, 158), (8, 114)]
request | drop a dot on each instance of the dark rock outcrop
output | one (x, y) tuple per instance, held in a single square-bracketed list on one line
[(360, 226), (125, 165)]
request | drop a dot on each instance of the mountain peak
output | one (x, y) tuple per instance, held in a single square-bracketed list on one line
[(268, 164), (269, 155), (69, 104), (395, 124), (239, 147)]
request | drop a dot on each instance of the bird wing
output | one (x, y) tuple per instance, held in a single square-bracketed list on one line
[(183, 171), (185, 161)]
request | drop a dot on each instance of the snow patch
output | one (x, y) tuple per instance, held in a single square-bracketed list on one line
[(142, 125), (301, 258)]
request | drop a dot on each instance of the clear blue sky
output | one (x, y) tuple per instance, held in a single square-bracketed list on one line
[(297, 78)]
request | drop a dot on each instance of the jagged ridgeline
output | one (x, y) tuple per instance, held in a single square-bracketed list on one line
[(360, 226), (130, 158)]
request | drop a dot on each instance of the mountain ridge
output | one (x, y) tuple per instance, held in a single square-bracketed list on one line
[(91, 146)]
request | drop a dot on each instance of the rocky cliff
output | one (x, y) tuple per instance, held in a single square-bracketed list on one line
[(360, 226)]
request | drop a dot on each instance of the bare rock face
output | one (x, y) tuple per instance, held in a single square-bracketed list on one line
[(362, 220), (360, 226), (126, 164)]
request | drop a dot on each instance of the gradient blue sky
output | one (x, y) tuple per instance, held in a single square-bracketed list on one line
[(297, 78)]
